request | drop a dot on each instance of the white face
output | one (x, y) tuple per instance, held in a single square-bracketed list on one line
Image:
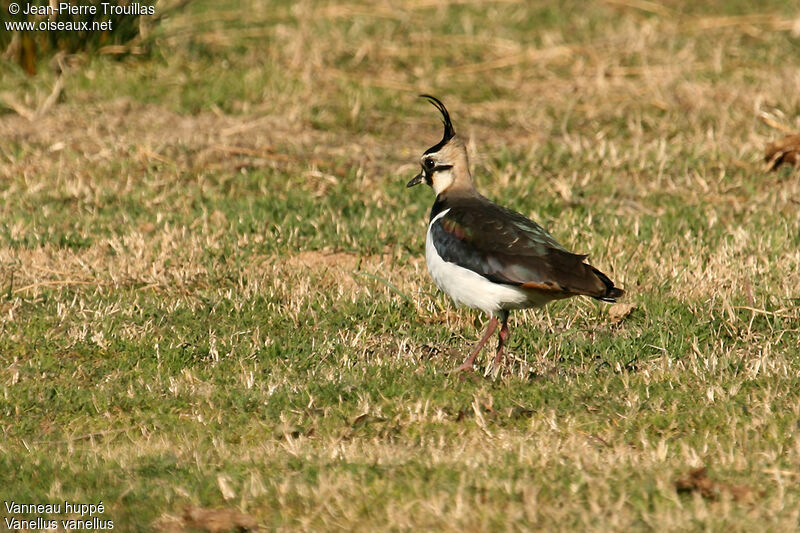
[(442, 180), (438, 174)]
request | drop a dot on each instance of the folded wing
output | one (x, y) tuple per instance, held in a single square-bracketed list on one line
[(506, 247)]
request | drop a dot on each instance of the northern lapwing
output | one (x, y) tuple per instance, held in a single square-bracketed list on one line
[(491, 258)]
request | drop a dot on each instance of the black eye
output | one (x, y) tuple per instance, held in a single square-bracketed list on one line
[(429, 163)]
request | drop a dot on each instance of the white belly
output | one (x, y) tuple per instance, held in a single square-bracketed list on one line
[(471, 289)]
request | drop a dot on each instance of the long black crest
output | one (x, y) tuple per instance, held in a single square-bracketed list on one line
[(449, 131)]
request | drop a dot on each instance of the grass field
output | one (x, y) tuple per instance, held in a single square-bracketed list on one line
[(213, 292)]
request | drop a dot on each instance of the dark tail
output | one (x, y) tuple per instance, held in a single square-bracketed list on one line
[(612, 292)]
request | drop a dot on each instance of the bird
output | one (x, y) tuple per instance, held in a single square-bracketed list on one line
[(491, 258)]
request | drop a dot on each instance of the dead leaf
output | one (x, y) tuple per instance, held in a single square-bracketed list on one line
[(618, 312), (218, 520), (786, 150), (169, 524), (364, 419), (225, 487), (698, 481), (359, 420)]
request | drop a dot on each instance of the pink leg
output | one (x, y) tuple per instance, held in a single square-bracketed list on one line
[(503, 338), (466, 366)]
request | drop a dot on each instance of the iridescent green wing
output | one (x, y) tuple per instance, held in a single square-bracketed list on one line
[(506, 247)]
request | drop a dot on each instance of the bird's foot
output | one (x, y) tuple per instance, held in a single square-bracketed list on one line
[(462, 368)]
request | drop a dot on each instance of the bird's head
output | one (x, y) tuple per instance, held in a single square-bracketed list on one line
[(444, 165)]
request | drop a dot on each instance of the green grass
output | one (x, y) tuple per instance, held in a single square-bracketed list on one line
[(213, 291)]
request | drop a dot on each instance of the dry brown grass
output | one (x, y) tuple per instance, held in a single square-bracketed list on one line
[(162, 271)]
